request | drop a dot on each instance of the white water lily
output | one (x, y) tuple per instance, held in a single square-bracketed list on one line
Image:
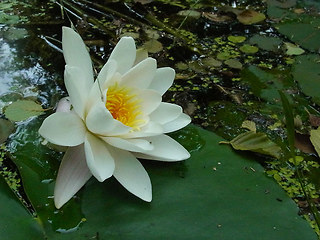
[(113, 120)]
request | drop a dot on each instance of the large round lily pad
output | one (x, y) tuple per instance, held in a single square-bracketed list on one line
[(216, 194)]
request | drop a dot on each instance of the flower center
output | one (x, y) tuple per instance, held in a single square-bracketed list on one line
[(124, 106)]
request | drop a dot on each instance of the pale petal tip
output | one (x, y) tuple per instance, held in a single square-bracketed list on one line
[(58, 204)]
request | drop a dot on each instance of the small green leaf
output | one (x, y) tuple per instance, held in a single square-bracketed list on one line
[(233, 63), (211, 62), (256, 142), (249, 49), (293, 49), (315, 139), (6, 128), (236, 39), (22, 110)]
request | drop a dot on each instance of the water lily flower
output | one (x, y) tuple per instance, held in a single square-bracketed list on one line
[(112, 121)]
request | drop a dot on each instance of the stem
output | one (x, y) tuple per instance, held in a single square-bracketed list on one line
[(82, 15), (153, 20)]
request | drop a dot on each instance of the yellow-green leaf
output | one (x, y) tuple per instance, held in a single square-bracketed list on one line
[(256, 142), (22, 110), (315, 139)]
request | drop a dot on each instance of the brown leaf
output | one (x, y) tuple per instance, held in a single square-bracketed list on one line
[(314, 120), (303, 143), (216, 17)]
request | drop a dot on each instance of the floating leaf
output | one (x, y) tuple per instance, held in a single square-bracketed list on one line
[(306, 71), (6, 128), (249, 17), (22, 110), (211, 62), (216, 17), (315, 139), (233, 63), (249, 49), (15, 221), (305, 29), (293, 49), (282, 3), (236, 39), (223, 55), (266, 43), (153, 46), (256, 142), (199, 193)]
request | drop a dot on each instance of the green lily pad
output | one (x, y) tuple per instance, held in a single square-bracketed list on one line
[(233, 63), (266, 83), (209, 193), (22, 110), (249, 49), (224, 55), (15, 221), (306, 71), (211, 62), (236, 39), (305, 29), (266, 43)]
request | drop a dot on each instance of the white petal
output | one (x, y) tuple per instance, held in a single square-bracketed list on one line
[(150, 100), (151, 129), (99, 159), (64, 105), (106, 73), (78, 91), (134, 145), (76, 54), (101, 122), (131, 174), (165, 149), (73, 174), (178, 123), (64, 129), (124, 54), (163, 80), (141, 75), (166, 112)]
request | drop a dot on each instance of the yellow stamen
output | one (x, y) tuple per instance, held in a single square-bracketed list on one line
[(124, 105)]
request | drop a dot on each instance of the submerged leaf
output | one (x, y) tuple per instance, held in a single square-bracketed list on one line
[(153, 46), (22, 110), (233, 63), (6, 128), (256, 142)]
